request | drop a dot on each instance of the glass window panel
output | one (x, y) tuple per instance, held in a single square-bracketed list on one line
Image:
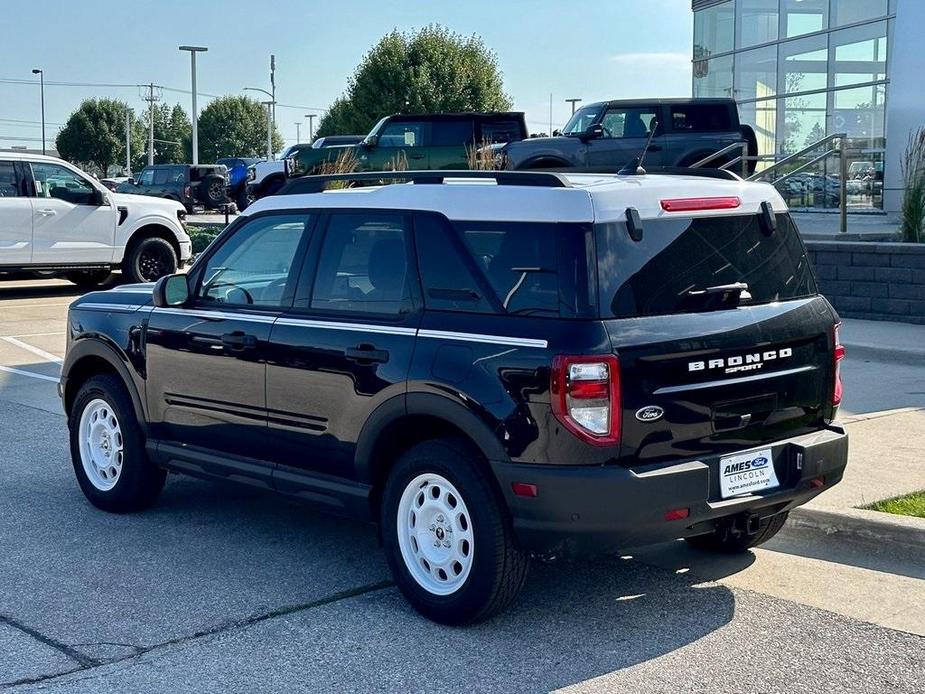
[(803, 65), (713, 77), (803, 16), (859, 113), (851, 11), (713, 30), (858, 54), (756, 73), (756, 22), (803, 121), (762, 116)]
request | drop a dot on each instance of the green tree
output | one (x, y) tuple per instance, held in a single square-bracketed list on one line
[(172, 135), (234, 126), (428, 71), (94, 135)]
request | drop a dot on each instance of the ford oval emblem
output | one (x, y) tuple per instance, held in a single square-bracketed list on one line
[(760, 461), (650, 413)]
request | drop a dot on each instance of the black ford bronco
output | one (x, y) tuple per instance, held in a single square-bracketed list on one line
[(491, 365)]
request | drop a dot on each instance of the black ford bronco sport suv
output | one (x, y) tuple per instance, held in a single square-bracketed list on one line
[(488, 364)]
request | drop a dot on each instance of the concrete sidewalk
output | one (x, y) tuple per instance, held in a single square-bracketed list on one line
[(884, 341)]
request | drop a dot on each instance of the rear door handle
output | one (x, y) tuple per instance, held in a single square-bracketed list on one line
[(416, 156), (238, 340), (655, 148), (46, 212), (367, 354)]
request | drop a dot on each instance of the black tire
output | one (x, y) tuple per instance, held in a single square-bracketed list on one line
[(87, 279), (724, 541), (749, 134), (498, 567), (139, 482), (244, 199), (149, 259), (211, 191)]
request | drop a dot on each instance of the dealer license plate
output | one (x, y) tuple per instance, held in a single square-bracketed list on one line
[(746, 472)]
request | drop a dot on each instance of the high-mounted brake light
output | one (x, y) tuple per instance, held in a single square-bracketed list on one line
[(585, 394), (837, 355), (696, 204)]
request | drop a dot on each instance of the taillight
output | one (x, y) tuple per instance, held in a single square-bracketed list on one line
[(586, 397), (838, 354), (728, 202)]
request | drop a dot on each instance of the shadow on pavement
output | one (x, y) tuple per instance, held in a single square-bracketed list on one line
[(29, 288)]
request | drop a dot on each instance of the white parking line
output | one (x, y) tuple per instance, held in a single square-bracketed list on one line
[(20, 372), (35, 350), (54, 332)]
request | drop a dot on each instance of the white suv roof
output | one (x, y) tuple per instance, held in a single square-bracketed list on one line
[(588, 198)]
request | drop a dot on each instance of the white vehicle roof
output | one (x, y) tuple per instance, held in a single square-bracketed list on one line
[(589, 198)]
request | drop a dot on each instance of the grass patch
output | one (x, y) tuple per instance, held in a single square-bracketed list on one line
[(909, 505)]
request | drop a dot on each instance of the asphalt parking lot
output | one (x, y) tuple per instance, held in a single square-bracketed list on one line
[(228, 589)]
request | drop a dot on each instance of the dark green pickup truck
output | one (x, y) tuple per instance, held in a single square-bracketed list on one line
[(421, 141)]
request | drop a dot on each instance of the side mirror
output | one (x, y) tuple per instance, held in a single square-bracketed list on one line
[(556, 133), (594, 132), (171, 290), (99, 198), (130, 181), (371, 142)]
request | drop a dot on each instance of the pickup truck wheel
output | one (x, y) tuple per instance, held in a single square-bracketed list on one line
[(724, 541), (149, 259), (212, 190), (447, 538), (107, 448), (87, 279)]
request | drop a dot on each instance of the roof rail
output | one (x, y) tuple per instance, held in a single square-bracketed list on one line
[(722, 174), (316, 184)]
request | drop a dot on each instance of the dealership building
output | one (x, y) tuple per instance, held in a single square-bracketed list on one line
[(804, 69)]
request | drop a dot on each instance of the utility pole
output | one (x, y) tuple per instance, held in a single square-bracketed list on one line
[(273, 85), (151, 99), (298, 132), (193, 50), (128, 142), (41, 74), (550, 113), (269, 105), (311, 126), (572, 102)]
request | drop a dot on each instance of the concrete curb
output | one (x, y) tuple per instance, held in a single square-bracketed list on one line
[(905, 533)]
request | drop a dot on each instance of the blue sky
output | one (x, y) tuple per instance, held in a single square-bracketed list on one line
[(593, 49)]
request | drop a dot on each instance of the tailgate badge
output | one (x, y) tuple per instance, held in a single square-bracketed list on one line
[(649, 413)]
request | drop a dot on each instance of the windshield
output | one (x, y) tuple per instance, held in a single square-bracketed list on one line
[(669, 270), (376, 128), (581, 119)]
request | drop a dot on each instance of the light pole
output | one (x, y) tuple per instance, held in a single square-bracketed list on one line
[(311, 126), (193, 50), (572, 102), (269, 105), (298, 132), (41, 74)]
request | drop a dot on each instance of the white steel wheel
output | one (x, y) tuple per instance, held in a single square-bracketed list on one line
[(435, 534), (101, 444)]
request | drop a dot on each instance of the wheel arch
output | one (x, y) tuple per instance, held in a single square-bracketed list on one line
[(90, 357), (153, 229), (545, 161), (405, 421)]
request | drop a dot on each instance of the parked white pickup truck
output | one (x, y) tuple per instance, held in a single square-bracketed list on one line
[(56, 219)]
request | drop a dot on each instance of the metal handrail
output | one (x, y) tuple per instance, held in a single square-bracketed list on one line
[(796, 155), (741, 146), (842, 171)]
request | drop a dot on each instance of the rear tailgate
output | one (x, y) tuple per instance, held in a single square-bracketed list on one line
[(702, 373), (725, 381)]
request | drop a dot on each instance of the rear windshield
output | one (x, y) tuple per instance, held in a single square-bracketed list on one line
[(677, 259)]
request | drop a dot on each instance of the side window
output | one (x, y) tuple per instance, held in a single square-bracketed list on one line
[(628, 122), (56, 181), (161, 176), (501, 131), (446, 273), (520, 261), (363, 265), (403, 134), (10, 183), (177, 174), (452, 133), (146, 178), (700, 118), (253, 267)]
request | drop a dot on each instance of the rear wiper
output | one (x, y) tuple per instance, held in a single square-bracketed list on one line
[(741, 288)]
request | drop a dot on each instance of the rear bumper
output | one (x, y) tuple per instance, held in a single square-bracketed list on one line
[(592, 510)]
